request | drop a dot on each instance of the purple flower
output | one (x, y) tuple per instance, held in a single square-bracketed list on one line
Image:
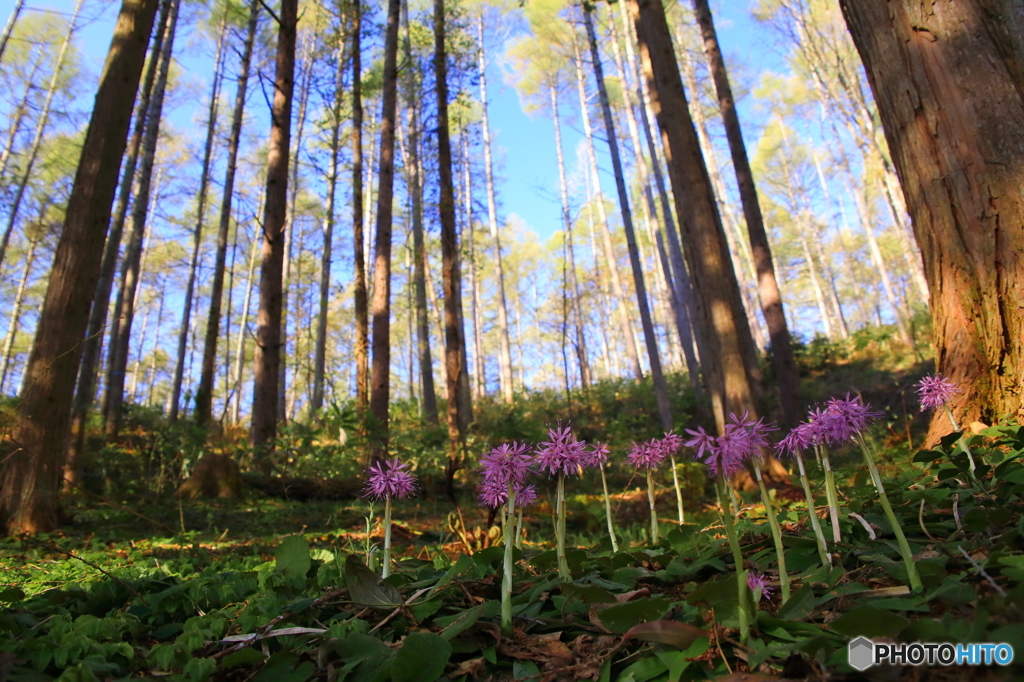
[(800, 438), (743, 438), (672, 443), (755, 581), (702, 441), (389, 480), (845, 418), (647, 456), (563, 454), (526, 495), (597, 456), (507, 463), (493, 495), (935, 391)]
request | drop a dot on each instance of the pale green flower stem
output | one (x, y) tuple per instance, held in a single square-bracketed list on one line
[(519, 528), (826, 558), (386, 569), (830, 493), (608, 511), (742, 590), (963, 444), (654, 511), (679, 492), (776, 535), (908, 557), (506, 580), (563, 564)]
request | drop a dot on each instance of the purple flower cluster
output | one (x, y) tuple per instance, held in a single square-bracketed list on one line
[(389, 480), (563, 454), (837, 423), (649, 456), (755, 581), (509, 463), (743, 438), (935, 391)]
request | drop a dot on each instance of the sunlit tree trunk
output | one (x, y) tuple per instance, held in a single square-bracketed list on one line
[(19, 301), (504, 346), (362, 333), (660, 387), (479, 375), (120, 333), (9, 26), (197, 233), (380, 377), (17, 118), (243, 326), (272, 251), (602, 219), (31, 472), (37, 139), (204, 393), (320, 357)]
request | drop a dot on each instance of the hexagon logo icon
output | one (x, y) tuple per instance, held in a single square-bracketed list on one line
[(861, 653)]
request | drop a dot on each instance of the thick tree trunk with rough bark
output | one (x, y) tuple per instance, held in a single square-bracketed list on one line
[(204, 394), (768, 288), (362, 340), (380, 370), (949, 85), (33, 456), (268, 321)]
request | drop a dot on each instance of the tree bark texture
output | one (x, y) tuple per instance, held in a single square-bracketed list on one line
[(362, 340), (268, 320), (380, 370), (34, 453), (948, 79)]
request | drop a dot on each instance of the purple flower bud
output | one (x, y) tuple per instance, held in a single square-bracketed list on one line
[(935, 391), (389, 480), (755, 581)]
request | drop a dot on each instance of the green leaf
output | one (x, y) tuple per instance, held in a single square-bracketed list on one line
[(621, 617), (293, 556), (422, 658), (799, 606), (366, 588), (246, 656), (680, 635), (868, 621), (462, 621), (11, 595)]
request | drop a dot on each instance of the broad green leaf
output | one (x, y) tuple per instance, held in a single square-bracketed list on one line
[(366, 588), (868, 621), (293, 556), (680, 635), (799, 606), (11, 594), (621, 617), (462, 621), (422, 658), (246, 656)]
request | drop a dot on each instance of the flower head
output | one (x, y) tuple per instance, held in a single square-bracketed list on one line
[(493, 495), (507, 463), (597, 455), (755, 581), (800, 438), (935, 391), (646, 456), (562, 454), (526, 495), (743, 438), (844, 418), (389, 480), (672, 443)]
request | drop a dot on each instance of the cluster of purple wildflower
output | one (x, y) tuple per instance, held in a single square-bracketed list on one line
[(935, 391), (755, 581), (838, 422), (649, 456), (743, 438), (389, 480)]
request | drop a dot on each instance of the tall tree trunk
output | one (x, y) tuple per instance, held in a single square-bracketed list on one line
[(320, 358), (268, 322), (243, 329), (479, 375), (380, 376), (504, 346), (16, 119), (660, 387), (31, 472), (949, 85), (37, 139), (768, 288), (9, 26), (454, 347), (730, 384), (581, 341), (362, 340), (197, 234), (602, 219), (19, 301), (121, 328), (86, 387), (204, 393), (413, 94), (152, 362)]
